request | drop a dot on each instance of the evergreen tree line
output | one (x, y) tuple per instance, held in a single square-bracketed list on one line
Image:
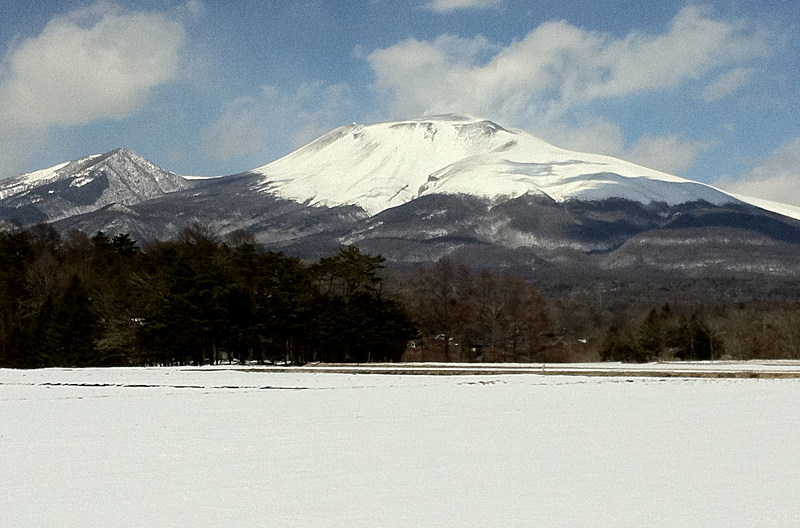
[(663, 336), (687, 331), (102, 301)]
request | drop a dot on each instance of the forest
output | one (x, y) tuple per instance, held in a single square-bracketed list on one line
[(103, 301)]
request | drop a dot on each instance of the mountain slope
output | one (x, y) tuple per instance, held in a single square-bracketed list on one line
[(385, 165), (85, 185), (223, 204), (572, 223)]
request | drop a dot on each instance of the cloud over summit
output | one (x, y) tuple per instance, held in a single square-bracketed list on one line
[(557, 67), (551, 80)]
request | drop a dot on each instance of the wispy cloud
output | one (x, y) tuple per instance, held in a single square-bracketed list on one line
[(727, 83), (18, 145), (774, 177), (670, 153), (274, 120), (194, 9), (444, 6), (596, 135)]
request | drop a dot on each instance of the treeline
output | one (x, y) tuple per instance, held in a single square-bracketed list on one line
[(476, 316), (663, 336), (720, 331), (102, 301), (675, 332)]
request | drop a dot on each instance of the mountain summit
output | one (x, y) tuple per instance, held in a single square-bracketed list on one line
[(85, 185), (418, 190), (380, 166)]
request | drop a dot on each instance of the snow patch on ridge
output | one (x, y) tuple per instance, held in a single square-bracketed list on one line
[(80, 181)]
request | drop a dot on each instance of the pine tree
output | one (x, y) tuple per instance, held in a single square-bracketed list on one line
[(697, 340), (16, 254), (69, 329), (656, 335)]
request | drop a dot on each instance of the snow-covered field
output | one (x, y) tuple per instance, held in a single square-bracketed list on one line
[(213, 447)]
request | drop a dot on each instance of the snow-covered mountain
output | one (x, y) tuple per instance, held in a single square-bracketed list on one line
[(84, 185), (418, 190), (380, 166)]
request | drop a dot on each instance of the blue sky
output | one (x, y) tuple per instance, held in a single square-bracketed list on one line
[(707, 91)]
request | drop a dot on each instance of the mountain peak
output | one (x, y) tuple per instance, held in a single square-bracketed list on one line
[(384, 165), (87, 184), (122, 151)]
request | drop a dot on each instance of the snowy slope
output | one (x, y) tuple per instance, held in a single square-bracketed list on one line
[(87, 184), (25, 182), (388, 164), (792, 211)]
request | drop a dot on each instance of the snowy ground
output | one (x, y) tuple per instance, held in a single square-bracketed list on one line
[(216, 447)]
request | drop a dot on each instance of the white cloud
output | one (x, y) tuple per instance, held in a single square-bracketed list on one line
[(94, 63), (669, 153), (444, 6), (544, 80), (556, 68), (775, 177), (18, 147), (727, 83), (194, 9), (274, 121), (597, 135), (237, 132)]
